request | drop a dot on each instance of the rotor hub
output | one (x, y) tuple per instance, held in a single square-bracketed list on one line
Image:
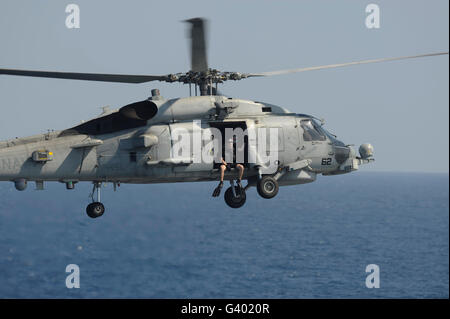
[(210, 76)]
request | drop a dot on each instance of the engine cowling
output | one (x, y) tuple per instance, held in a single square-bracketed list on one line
[(143, 110)]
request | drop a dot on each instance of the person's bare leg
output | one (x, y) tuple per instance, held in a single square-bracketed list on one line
[(217, 190), (240, 167), (222, 172)]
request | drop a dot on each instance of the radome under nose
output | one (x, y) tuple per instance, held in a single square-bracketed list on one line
[(341, 153)]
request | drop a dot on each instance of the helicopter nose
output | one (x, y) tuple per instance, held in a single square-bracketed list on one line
[(341, 153)]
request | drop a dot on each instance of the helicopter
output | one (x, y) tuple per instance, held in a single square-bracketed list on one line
[(140, 143)]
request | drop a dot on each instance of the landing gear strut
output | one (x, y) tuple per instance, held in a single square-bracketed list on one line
[(235, 196), (95, 209)]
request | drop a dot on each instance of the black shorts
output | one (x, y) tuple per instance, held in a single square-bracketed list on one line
[(233, 165)]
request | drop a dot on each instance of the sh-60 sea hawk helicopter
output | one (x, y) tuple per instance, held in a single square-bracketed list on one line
[(135, 144)]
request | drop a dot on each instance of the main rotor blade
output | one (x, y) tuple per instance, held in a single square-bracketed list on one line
[(332, 66), (121, 78), (199, 61)]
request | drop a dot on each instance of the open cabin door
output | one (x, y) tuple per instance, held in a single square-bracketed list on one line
[(233, 134)]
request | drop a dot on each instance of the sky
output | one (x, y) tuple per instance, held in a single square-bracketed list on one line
[(401, 107)]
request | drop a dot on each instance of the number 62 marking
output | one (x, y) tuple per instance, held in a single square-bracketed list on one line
[(326, 161)]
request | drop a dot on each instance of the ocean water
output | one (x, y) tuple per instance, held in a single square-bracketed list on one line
[(176, 241)]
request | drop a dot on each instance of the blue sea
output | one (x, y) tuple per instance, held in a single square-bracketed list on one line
[(176, 241)]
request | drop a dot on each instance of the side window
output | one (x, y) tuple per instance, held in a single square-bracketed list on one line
[(310, 132)]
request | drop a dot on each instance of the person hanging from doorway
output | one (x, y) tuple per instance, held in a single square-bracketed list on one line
[(231, 146)]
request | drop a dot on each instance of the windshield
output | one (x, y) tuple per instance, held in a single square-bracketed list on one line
[(311, 131), (332, 137)]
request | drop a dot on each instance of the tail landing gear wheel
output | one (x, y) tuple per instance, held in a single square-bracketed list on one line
[(267, 187), (95, 210), (235, 201)]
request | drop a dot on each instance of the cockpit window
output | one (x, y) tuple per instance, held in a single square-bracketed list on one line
[(311, 132), (332, 137)]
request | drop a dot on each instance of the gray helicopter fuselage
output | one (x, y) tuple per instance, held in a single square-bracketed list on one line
[(108, 149)]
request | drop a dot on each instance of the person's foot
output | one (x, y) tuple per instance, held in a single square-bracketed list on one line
[(217, 190)]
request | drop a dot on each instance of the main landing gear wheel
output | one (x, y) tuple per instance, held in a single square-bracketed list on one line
[(235, 201), (95, 209), (267, 187)]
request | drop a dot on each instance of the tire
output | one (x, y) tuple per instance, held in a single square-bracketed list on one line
[(95, 210), (267, 187), (235, 202)]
